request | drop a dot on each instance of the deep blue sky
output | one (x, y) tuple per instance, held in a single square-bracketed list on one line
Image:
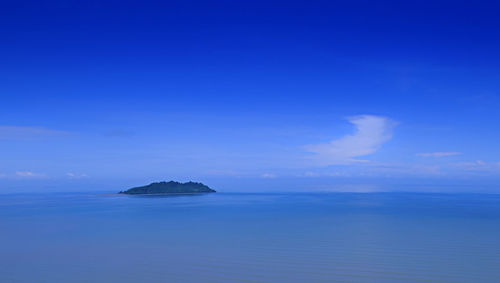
[(250, 95)]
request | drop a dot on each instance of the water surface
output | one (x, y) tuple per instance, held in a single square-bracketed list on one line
[(225, 237)]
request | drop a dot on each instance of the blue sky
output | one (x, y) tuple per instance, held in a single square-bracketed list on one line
[(250, 95)]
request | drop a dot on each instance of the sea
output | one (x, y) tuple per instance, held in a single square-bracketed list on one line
[(250, 237)]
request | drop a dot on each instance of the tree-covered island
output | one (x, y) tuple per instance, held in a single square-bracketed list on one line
[(171, 187)]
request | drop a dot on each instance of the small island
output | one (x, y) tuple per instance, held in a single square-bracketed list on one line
[(171, 187)]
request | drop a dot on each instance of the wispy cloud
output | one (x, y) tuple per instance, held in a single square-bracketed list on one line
[(72, 175), (438, 154), (19, 175), (29, 174), (312, 174), (22, 132), (22, 175), (268, 176), (371, 133), (479, 166)]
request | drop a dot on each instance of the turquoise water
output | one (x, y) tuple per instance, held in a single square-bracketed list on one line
[(224, 237)]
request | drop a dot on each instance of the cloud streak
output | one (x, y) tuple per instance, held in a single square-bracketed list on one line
[(22, 132), (370, 134), (438, 154), (479, 166), (268, 176), (72, 175), (29, 175)]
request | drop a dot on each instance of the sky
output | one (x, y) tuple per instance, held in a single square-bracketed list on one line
[(250, 96)]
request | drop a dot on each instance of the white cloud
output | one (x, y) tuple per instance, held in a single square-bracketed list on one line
[(29, 174), (371, 133), (22, 132), (312, 174), (438, 154), (268, 176), (479, 166), (72, 175)]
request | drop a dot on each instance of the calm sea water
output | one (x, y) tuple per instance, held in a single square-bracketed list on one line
[(223, 237)]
